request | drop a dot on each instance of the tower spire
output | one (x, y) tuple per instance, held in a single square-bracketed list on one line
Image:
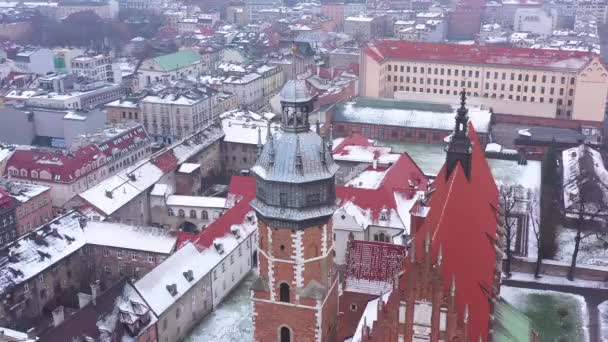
[(459, 149)]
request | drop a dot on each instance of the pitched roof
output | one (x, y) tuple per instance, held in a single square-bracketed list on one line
[(465, 228), (371, 266), (477, 54), (153, 287), (176, 60), (61, 167)]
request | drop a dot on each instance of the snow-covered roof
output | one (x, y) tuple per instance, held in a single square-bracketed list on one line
[(114, 192), (368, 179), (367, 154), (188, 167), (196, 201), (370, 315), (408, 114), (584, 167), (242, 127), (119, 235), (22, 191), (40, 249), (153, 287)]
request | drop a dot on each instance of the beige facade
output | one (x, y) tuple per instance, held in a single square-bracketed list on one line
[(569, 92)]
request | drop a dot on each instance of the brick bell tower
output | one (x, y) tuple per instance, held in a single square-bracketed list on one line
[(295, 297)]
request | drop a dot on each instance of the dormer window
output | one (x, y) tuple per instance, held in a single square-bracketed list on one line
[(34, 174), (189, 275), (384, 215), (23, 173)]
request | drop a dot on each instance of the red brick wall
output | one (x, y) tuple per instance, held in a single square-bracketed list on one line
[(272, 316), (34, 213), (349, 318)]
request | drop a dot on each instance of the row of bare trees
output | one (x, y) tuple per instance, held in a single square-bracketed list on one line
[(545, 213)]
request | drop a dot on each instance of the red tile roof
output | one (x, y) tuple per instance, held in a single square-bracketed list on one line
[(240, 187), (126, 140), (62, 167), (374, 261), (463, 221), (167, 161), (476, 54)]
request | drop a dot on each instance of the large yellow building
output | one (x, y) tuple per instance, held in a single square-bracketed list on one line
[(529, 82)]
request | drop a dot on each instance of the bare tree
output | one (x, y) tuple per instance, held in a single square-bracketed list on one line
[(534, 223), (508, 204), (589, 204)]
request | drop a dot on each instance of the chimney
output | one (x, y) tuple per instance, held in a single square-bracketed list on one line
[(94, 291), (83, 299), (58, 316), (375, 163)]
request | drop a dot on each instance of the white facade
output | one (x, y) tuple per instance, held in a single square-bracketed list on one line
[(249, 88), (236, 260), (37, 61), (535, 20), (98, 67), (171, 117)]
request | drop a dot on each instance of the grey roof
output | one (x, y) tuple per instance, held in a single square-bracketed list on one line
[(548, 134), (278, 160), (295, 91)]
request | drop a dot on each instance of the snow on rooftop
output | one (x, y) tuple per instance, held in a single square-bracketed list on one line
[(368, 179), (419, 118), (40, 249), (153, 286), (159, 190), (188, 167), (9, 335), (241, 127), (370, 315), (122, 103), (196, 201), (148, 239), (367, 154), (23, 192)]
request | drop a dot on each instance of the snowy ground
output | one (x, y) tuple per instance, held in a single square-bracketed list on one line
[(593, 251), (558, 316), (231, 321), (603, 309)]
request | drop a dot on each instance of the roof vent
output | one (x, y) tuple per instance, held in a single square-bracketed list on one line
[(132, 177), (236, 232), (172, 288), (219, 247), (189, 275), (109, 193)]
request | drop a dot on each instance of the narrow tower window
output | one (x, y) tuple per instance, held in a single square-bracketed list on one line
[(284, 294), (285, 334)]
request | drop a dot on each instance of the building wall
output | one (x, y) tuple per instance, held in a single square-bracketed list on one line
[(17, 126), (8, 225), (186, 312), (210, 162), (110, 264), (528, 86), (295, 258), (171, 216), (19, 31), (40, 62), (116, 115), (61, 282), (230, 271), (250, 94), (34, 213), (238, 157), (135, 212), (335, 12)]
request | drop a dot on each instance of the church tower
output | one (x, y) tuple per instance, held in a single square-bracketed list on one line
[(295, 297), (459, 148)]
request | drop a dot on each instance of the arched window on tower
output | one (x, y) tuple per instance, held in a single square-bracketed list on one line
[(285, 334), (284, 292)]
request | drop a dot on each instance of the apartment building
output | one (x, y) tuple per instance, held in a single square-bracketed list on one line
[(8, 223), (175, 113), (138, 250), (68, 173), (528, 82), (364, 28), (98, 67), (33, 204), (249, 88)]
